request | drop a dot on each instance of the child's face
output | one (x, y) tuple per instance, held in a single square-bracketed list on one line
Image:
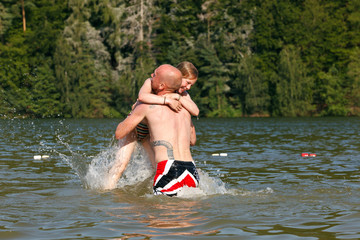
[(186, 84)]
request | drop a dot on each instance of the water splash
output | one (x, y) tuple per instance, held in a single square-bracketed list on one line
[(215, 186), (97, 176), (93, 171), (208, 186)]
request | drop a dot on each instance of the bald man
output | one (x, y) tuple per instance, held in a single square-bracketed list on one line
[(170, 135)]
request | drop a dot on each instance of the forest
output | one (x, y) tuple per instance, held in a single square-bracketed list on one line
[(256, 58)]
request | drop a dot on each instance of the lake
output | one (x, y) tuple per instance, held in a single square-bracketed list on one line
[(255, 183)]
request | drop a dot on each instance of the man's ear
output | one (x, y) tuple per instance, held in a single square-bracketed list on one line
[(161, 86)]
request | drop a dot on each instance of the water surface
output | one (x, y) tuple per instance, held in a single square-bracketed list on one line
[(262, 189)]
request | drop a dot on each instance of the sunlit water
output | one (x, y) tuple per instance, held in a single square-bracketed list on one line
[(262, 189)]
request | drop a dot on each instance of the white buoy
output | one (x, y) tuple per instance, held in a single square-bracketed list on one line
[(39, 157), (219, 154)]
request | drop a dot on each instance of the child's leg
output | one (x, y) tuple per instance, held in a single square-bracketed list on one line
[(150, 152), (122, 159)]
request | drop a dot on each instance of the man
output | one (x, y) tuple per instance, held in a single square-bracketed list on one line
[(170, 135)]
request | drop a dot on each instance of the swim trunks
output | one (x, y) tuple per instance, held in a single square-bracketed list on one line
[(172, 175), (142, 131)]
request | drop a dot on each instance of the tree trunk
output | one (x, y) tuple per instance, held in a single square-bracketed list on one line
[(141, 32), (23, 15)]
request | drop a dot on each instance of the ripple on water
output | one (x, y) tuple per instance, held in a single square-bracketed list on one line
[(262, 189)]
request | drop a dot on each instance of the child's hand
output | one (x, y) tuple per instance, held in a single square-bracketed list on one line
[(175, 105)]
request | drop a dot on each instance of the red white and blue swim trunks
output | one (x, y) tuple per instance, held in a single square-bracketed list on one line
[(172, 175)]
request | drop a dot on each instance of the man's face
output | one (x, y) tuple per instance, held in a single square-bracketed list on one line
[(155, 80)]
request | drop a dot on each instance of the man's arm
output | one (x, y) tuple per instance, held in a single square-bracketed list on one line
[(129, 124)]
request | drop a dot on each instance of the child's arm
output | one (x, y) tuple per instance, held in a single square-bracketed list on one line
[(189, 104), (186, 102), (146, 96)]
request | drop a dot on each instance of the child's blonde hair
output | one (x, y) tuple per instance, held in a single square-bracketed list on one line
[(188, 70)]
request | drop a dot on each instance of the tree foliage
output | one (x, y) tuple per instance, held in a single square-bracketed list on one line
[(89, 58)]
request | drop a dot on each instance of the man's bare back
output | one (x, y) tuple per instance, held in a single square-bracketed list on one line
[(170, 133)]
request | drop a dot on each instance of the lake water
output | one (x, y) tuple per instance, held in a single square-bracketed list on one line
[(262, 189)]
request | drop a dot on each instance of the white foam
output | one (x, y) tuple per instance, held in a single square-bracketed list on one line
[(214, 186), (207, 186), (138, 169)]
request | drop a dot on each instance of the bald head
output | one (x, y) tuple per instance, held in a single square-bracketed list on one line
[(170, 76)]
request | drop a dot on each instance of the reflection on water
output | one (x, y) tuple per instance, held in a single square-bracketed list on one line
[(177, 217), (262, 189)]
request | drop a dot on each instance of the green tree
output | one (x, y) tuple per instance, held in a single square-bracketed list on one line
[(252, 87), (354, 82), (178, 27), (331, 94), (15, 78), (213, 80), (5, 20), (88, 58), (324, 34), (27, 77), (294, 86), (82, 70), (45, 100)]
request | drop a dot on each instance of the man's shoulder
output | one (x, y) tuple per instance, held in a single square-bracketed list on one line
[(146, 107), (139, 109)]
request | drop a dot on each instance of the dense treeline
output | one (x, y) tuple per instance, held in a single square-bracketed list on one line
[(88, 58)]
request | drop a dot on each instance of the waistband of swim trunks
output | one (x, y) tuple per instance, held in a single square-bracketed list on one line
[(181, 162)]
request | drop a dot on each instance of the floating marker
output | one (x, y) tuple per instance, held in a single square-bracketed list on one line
[(38, 157), (219, 154), (308, 155)]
